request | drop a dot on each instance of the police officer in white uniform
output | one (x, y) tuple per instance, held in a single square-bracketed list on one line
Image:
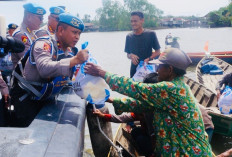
[(53, 19), (33, 18), (47, 62), (11, 29)]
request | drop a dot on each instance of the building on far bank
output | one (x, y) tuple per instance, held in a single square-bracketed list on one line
[(89, 27), (184, 22)]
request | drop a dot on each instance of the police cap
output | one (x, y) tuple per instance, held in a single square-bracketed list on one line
[(56, 10), (12, 26), (72, 21), (35, 9)]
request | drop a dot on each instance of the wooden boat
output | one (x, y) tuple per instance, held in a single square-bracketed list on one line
[(224, 55), (210, 81), (205, 97), (56, 131), (123, 140)]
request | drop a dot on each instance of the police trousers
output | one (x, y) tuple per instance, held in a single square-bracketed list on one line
[(24, 111)]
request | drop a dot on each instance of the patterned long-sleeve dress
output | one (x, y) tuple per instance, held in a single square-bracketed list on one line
[(177, 118)]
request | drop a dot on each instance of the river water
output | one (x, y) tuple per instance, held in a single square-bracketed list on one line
[(108, 49)]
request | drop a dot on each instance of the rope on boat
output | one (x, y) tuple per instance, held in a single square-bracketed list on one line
[(119, 150)]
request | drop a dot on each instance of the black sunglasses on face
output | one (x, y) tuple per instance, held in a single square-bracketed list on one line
[(57, 18), (40, 17)]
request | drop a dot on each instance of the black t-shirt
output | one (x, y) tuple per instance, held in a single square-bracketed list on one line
[(141, 45)]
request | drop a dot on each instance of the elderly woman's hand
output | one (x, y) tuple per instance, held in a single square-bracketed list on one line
[(94, 70)]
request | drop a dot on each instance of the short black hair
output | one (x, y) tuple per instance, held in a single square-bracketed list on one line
[(137, 13), (179, 72), (151, 78), (64, 25)]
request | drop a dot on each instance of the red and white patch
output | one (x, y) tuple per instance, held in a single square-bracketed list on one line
[(24, 39), (47, 47)]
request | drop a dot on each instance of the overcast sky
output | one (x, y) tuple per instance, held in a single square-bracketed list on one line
[(13, 10)]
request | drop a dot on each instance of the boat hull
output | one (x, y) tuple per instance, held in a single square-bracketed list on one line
[(197, 56), (210, 81), (205, 97), (57, 131)]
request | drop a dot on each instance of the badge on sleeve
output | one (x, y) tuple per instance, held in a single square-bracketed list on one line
[(24, 39), (47, 47)]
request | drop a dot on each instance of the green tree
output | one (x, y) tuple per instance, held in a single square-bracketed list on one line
[(112, 16), (86, 18), (151, 13)]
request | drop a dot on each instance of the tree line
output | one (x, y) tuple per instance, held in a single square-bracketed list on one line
[(114, 16), (221, 17)]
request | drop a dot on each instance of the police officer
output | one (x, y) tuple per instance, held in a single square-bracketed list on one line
[(33, 17), (11, 28), (53, 19), (48, 66)]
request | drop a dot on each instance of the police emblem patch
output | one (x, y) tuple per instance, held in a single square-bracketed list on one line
[(39, 11), (24, 39), (75, 22), (47, 47), (13, 26), (57, 10)]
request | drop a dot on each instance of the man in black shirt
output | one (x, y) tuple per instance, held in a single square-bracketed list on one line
[(140, 42)]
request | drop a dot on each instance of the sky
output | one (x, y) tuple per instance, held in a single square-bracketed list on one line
[(13, 10)]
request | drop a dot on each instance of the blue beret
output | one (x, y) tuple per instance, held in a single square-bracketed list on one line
[(56, 10), (12, 26), (72, 21), (35, 9)]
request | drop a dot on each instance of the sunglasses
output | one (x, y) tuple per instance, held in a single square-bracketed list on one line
[(56, 18), (40, 17)]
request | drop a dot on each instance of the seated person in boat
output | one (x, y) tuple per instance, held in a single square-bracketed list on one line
[(175, 43), (168, 39), (225, 81), (144, 135), (209, 127), (41, 74), (178, 124)]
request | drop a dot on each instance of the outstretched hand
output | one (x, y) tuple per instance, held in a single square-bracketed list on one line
[(79, 58), (134, 59), (98, 113), (146, 60), (218, 94), (95, 70), (6, 99), (110, 100)]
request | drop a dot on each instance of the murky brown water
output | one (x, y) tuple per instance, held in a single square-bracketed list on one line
[(108, 49)]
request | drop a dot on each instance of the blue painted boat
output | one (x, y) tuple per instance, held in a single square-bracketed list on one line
[(57, 131)]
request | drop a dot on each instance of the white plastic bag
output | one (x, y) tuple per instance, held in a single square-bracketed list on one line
[(6, 63), (225, 101), (91, 88), (142, 70)]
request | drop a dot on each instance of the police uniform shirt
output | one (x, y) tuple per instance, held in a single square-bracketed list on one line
[(45, 68), (19, 34), (45, 27)]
